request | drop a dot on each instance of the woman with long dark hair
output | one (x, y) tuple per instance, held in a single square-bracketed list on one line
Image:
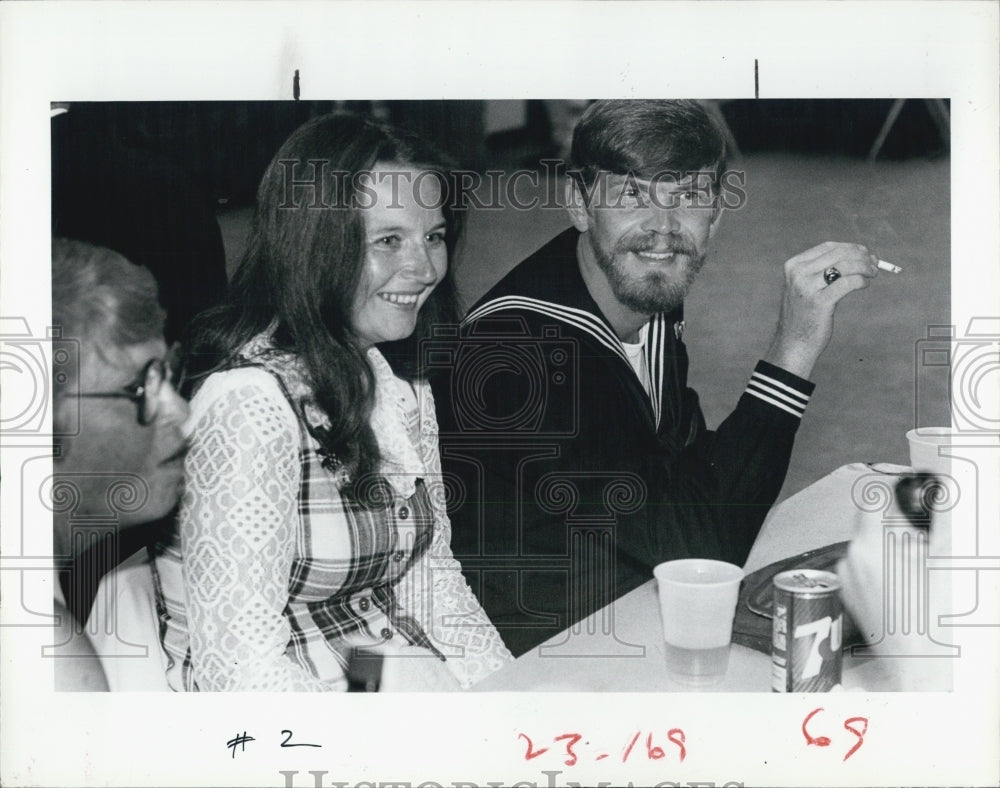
[(314, 518)]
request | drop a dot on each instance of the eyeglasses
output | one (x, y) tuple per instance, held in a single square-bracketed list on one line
[(144, 391)]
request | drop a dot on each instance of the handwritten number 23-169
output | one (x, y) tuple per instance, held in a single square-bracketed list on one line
[(570, 740)]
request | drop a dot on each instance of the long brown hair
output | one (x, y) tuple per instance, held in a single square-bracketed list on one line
[(302, 268)]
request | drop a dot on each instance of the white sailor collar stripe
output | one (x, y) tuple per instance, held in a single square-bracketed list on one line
[(653, 333), (578, 318), (653, 339)]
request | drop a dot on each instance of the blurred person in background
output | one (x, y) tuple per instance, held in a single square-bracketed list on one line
[(117, 418)]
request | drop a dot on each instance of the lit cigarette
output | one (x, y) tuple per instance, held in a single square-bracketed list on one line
[(884, 266)]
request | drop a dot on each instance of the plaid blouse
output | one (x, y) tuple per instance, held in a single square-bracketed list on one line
[(280, 569)]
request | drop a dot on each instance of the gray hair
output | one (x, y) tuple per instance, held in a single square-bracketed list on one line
[(101, 300)]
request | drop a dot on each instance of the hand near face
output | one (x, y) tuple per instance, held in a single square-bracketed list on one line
[(808, 303)]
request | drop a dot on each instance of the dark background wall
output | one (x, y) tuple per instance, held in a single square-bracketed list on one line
[(225, 146)]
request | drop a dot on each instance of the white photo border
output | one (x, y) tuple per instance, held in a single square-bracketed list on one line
[(249, 51)]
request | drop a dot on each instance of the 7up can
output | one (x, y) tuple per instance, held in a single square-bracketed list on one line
[(806, 651)]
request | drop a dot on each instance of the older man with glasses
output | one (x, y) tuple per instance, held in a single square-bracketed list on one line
[(117, 416)]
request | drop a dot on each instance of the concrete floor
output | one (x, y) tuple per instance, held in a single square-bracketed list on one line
[(870, 387)]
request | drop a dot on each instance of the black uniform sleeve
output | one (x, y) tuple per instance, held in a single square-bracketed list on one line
[(714, 494)]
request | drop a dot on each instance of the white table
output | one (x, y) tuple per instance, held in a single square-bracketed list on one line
[(620, 648)]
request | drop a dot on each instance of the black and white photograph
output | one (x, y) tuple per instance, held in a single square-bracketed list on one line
[(631, 436)]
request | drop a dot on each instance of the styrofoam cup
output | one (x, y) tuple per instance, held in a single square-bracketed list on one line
[(697, 605)]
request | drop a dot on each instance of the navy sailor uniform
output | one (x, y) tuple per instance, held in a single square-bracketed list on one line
[(570, 481)]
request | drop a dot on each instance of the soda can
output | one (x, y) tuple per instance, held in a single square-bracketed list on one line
[(806, 653)]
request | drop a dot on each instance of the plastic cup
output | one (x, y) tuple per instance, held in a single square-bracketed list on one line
[(925, 443), (697, 604)]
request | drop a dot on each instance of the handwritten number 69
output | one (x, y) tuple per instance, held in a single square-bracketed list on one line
[(849, 725)]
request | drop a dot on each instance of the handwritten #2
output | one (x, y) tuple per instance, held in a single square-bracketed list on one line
[(241, 741)]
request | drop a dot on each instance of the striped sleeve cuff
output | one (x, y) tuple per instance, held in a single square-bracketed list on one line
[(780, 389)]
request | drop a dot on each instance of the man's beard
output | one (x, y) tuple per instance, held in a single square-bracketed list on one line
[(656, 290)]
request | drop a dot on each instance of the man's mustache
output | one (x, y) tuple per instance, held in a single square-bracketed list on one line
[(675, 244)]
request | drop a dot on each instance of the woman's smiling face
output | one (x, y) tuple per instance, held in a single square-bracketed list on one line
[(405, 252)]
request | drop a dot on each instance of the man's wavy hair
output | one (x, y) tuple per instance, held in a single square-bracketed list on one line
[(645, 138), (105, 304), (303, 266), (102, 301)]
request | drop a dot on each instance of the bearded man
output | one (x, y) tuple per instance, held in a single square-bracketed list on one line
[(578, 456)]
